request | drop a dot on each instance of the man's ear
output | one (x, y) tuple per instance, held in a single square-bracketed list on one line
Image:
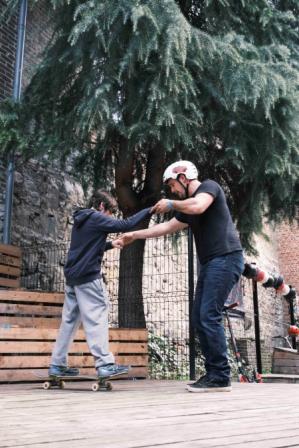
[(182, 178)]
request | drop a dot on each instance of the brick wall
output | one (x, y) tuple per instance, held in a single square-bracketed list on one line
[(38, 32), (288, 253)]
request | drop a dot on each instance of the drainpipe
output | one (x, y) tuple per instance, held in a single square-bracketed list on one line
[(17, 85)]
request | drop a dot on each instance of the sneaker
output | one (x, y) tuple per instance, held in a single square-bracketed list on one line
[(200, 380), (62, 371), (111, 370), (210, 385)]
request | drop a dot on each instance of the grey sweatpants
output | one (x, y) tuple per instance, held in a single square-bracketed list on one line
[(87, 303)]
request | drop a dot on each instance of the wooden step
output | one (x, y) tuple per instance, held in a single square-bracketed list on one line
[(285, 361), (10, 266), (280, 378), (29, 322)]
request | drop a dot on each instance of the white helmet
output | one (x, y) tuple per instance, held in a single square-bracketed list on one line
[(181, 167)]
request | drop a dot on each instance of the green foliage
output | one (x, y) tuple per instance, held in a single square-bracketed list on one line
[(12, 133), (214, 81), (169, 358)]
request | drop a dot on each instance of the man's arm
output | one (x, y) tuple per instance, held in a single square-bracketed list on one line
[(164, 228), (190, 206)]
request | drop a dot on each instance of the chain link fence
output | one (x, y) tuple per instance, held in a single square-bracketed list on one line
[(148, 286)]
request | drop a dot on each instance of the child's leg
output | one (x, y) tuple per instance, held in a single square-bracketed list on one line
[(69, 324), (94, 307)]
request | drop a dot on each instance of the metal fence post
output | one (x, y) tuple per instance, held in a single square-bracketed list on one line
[(192, 354), (16, 96), (257, 327)]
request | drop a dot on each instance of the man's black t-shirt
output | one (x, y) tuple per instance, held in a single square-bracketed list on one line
[(214, 231)]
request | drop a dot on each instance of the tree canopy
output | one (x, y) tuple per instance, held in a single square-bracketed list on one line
[(138, 83)]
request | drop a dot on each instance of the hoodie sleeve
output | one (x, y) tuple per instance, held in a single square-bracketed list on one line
[(108, 245), (110, 225)]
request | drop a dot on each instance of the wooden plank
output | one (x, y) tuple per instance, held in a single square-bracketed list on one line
[(32, 296), (128, 334), (8, 249), (149, 414), (115, 334), (27, 374), (286, 355), (9, 282), (76, 347), (33, 310), (34, 334), (284, 350), (23, 322), (287, 362), (286, 370), (39, 361), (10, 261), (10, 270)]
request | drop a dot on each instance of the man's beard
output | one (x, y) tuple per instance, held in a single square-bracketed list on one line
[(180, 195)]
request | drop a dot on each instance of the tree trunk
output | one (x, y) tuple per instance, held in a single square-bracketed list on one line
[(130, 298)]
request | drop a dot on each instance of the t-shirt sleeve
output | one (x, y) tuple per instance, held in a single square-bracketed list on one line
[(209, 186), (182, 217)]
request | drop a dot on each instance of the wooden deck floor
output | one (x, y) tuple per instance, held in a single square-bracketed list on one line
[(143, 414)]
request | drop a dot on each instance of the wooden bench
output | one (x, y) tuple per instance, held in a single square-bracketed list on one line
[(10, 266), (29, 324), (285, 361)]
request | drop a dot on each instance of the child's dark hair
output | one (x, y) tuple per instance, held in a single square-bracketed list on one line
[(106, 198)]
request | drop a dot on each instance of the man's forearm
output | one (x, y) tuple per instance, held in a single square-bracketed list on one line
[(152, 232), (189, 206)]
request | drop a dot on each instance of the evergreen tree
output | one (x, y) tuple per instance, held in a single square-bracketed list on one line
[(136, 83)]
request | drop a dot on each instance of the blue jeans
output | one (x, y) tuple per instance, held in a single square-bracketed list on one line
[(216, 279)]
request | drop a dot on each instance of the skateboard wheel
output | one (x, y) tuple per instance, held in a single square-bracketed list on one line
[(61, 385), (47, 385), (95, 387), (109, 386)]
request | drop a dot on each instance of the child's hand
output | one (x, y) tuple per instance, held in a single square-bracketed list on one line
[(127, 238), (117, 244)]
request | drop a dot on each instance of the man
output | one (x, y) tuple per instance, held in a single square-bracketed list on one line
[(86, 299), (203, 207)]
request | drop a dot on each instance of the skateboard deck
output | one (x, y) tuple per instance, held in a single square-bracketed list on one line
[(101, 384)]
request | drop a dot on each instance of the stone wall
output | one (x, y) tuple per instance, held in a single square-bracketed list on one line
[(2, 196), (44, 199)]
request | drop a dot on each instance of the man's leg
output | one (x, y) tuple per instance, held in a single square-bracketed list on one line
[(69, 324), (94, 307), (218, 277), (196, 320)]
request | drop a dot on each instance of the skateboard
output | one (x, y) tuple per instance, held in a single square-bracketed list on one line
[(101, 384)]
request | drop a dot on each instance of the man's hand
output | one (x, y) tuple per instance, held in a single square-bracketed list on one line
[(162, 206), (127, 238), (118, 243)]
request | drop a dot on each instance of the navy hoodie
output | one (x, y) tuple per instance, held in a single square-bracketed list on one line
[(88, 242)]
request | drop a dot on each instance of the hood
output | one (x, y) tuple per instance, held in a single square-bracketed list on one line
[(81, 216)]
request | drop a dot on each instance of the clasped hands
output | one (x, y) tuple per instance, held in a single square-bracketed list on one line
[(162, 206)]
